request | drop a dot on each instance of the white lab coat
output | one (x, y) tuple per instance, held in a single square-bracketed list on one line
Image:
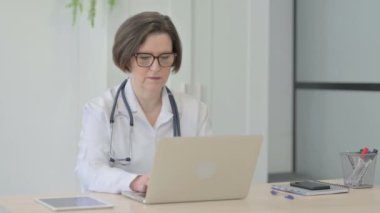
[(94, 169)]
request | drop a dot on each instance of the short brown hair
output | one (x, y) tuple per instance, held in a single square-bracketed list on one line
[(133, 32)]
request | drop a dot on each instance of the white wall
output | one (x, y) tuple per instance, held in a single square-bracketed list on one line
[(39, 116), (48, 70), (330, 122), (280, 105), (338, 41)]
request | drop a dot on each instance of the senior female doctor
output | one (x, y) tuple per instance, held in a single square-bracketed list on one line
[(120, 128)]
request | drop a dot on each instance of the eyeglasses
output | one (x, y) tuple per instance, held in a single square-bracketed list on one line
[(147, 59)]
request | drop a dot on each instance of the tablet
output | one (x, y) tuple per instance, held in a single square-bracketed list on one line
[(72, 203)]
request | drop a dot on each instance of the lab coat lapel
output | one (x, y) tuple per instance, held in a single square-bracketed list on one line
[(166, 113), (131, 98)]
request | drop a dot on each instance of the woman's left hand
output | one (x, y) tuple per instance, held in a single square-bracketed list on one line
[(140, 183)]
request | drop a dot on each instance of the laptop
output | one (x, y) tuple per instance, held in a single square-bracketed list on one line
[(201, 169)]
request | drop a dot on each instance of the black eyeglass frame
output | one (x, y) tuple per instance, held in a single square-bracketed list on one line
[(154, 58)]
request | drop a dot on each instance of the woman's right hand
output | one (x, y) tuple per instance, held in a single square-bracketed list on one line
[(140, 183)]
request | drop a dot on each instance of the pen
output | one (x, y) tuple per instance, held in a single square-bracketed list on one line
[(364, 152), (287, 196)]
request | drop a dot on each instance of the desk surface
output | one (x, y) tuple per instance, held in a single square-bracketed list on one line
[(259, 200)]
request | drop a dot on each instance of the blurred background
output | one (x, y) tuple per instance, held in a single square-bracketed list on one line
[(302, 73)]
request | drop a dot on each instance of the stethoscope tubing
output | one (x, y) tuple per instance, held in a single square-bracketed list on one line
[(121, 89)]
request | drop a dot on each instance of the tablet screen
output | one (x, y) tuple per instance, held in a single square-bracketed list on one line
[(66, 203)]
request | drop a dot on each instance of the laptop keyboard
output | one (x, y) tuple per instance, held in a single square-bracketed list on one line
[(140, 196)]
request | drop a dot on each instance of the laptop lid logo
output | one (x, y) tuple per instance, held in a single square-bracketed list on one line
[(206, 170)]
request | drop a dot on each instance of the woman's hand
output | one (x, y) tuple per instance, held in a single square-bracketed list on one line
[(140, 183)]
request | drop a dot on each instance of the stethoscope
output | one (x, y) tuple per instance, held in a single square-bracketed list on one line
[(121, 89)]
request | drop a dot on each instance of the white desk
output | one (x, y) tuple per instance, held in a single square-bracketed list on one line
[(259, 200)]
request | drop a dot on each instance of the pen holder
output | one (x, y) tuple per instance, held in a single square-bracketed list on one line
[(358, 169)]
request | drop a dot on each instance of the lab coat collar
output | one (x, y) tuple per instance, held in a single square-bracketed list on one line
[(131, 98), (166, 102), (166, 110)]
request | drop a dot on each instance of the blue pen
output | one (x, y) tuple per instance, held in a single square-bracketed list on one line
[(287, 196)]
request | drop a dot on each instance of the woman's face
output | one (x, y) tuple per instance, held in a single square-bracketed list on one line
[(152, 78)]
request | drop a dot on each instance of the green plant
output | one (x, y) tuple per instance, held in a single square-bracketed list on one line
[(77, 7)]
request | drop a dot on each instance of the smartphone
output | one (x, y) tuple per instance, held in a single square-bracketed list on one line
[(311, 185)]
